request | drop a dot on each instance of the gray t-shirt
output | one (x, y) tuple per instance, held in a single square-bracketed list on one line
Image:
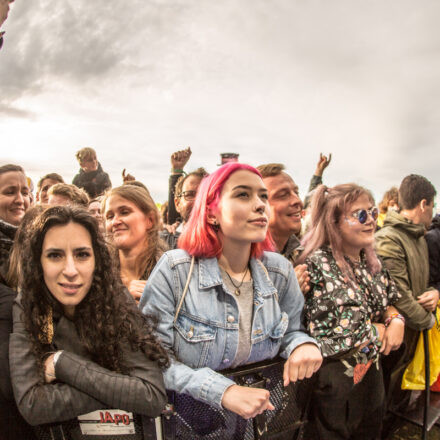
[(245, 303)]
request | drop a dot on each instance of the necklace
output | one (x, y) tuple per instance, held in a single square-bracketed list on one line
[(237, 288)]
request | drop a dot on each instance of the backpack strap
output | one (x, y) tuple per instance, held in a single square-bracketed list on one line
[(188, 279)]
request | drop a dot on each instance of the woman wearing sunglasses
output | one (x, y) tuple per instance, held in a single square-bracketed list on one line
[(349, 311)]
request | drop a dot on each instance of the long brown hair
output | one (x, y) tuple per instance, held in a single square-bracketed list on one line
[(107, 319), (327, 207), (154, 247)]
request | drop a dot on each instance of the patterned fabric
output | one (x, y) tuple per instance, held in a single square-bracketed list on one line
[(340, 313)]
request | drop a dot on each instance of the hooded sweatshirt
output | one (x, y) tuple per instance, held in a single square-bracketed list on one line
[(94, 183), (402, 246)]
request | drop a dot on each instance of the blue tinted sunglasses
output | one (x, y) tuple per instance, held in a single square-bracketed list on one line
[(362, 214)]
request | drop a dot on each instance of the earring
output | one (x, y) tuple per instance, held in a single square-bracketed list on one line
[(215, 225)]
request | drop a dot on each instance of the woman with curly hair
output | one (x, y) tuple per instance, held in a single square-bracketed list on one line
[(79, 342), (132, 221), (349, 311)]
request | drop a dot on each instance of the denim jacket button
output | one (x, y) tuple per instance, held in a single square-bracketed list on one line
[(231, 318), (190, 334)]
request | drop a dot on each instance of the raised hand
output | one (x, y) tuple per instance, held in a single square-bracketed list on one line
[(180, 158), (322, 164)]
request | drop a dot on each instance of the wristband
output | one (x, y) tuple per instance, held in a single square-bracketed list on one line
[(394, 316), (173, 171)]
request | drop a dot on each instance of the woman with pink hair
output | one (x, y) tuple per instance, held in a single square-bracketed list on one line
[(349, 312), (224, 300)]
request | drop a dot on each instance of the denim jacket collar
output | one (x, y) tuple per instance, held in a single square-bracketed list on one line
[(209, 276)]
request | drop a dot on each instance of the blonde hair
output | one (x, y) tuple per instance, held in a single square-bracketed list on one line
[(86, 153), (154, 247), (76, 195)]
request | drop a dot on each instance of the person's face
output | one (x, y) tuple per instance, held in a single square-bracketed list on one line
[(89, 164), (95, 210), (243, 211), (126, 223), (42, 196), (356, 236), (285, 205), (68, 263), (4, 10), (14, 197), (58, 199), (185, 202)]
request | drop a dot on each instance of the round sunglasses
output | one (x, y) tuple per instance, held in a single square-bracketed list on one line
[(362, 214)]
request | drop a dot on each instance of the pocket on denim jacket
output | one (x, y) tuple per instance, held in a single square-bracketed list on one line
[(269, 347), (193, 340)]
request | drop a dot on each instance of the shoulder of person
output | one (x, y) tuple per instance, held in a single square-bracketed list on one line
[(176, 257), (275, 262), (320, 256)]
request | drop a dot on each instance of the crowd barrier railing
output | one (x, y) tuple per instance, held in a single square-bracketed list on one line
[(185, 418)]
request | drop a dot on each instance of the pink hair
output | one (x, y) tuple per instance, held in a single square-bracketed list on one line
[(327, 207), (199, 238)]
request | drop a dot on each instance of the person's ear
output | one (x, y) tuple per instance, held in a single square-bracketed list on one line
[(149, 221), (423, 204), (177, 204), (212, 219)]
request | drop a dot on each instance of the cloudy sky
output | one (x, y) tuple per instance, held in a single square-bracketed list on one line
[(276, 81)]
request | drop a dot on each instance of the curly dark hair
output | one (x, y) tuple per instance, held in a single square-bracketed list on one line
[(106, 319)]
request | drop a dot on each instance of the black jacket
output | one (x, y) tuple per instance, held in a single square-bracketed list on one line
[(7, 234), (94, 183), (433, 240), (82, 386), (12, 425)]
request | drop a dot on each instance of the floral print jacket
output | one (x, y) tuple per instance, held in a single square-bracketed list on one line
[(339, 313)]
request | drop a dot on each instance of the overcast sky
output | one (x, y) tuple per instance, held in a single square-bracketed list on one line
[(276, 81)]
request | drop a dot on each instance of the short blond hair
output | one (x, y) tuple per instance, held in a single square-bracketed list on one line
[(271, 169), (86, 153), (76, 195)]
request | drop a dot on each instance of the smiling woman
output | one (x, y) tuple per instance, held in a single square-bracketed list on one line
[(14, 201), (349, 311), (132, 222), (78, 337)]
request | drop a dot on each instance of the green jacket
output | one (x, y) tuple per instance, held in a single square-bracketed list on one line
[(403, 249)]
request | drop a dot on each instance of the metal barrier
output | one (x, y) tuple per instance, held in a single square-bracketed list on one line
[(188, 419)]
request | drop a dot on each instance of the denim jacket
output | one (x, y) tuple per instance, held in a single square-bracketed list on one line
[(204, 337)]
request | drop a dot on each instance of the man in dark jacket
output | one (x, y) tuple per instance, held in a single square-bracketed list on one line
[(433, 240), (401, 245), (91, 176)]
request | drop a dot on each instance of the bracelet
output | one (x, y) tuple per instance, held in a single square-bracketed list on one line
[(394, 316), (173, 171)]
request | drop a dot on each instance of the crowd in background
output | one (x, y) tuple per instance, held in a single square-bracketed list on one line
[(107, 301)]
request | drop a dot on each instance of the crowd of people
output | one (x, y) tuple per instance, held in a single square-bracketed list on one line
[(106, 302)]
